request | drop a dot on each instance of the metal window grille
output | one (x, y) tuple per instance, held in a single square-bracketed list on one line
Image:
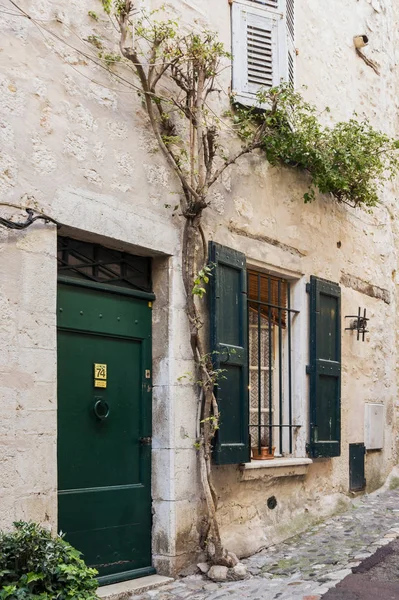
[(270, 363), (93, 262)]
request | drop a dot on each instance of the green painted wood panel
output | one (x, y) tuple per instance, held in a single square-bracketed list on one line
[(104, 472), (229, 341), (325, 368), (357, 478)]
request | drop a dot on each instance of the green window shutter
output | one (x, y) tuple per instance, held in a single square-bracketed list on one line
[(229, 340), (325, 368)]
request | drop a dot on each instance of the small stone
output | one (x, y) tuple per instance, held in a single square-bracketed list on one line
[(204, 567), (238, 572), (234, 558), (218, 573)]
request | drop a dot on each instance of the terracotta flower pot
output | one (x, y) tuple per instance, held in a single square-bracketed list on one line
[(264, 453)]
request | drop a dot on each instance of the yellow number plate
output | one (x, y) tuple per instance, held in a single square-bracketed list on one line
[(100, 371), (100, 375), (99, 383)]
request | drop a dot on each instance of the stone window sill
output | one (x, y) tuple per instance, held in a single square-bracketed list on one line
[(277, 467)]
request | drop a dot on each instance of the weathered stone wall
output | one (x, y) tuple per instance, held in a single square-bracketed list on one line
[(77, 140)]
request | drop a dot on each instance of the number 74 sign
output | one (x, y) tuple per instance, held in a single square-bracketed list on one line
[(100, 375)]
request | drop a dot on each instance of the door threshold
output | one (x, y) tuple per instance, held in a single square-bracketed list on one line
[(124, 590)]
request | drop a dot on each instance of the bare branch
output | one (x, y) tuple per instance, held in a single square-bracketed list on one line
[(131, 54), (246, 150)]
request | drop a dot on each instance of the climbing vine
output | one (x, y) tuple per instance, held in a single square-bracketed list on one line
[(178, 78)]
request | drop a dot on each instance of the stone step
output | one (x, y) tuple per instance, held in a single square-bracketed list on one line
[(126, 589)]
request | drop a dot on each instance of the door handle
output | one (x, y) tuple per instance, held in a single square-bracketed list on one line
[(101, 409)]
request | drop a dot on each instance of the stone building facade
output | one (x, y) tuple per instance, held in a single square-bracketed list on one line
[(75, 144)]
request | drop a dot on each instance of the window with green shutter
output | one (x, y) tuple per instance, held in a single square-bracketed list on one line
[(229, 334), (325, 368), (251, 323)]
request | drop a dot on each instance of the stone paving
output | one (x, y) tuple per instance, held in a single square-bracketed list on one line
[(304, 567)]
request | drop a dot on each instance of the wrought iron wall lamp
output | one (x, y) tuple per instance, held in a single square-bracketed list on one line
[(359, 323)]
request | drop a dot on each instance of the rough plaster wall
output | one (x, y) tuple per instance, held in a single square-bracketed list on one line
[(78, 141), (263, 203)]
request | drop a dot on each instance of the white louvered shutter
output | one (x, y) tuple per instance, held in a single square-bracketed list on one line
[(291, 51), (273, 4), (256, 50), (263, 46)]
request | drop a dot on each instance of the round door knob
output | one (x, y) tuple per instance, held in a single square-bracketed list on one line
[(101, 410)]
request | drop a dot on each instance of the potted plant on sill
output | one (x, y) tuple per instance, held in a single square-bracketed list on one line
[(265, 452)]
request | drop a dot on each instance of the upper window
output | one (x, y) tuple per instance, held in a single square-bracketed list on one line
[(95, 263), (263, 46)]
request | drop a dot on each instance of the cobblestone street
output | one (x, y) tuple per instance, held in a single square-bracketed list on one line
[(307, 566)]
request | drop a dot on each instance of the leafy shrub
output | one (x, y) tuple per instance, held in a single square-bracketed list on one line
[(349, 160), (36, 566)]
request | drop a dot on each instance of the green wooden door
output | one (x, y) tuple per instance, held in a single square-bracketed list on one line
[(104, 422)]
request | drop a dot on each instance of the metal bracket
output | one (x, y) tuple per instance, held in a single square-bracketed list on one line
[(358, 324), (146, 441)]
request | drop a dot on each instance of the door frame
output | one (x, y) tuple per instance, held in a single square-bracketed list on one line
[(150, 297)]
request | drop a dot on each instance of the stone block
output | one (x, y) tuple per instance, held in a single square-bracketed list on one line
[(185, 403), (36, 331), (180, 335), (41, 395), (41, 239), (38, 507), (7, 512), (164, 529), (162, 417), (187, 485), (36, 463), (174, 474), (38, 286), (40, 364), (7, 423), (187, 526), (36, 422), (160, 328), (9, 396), (161, 282), (7, 464), (163, 480)]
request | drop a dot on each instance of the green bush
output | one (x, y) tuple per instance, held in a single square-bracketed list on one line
[(36, 566), (349, 160)]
